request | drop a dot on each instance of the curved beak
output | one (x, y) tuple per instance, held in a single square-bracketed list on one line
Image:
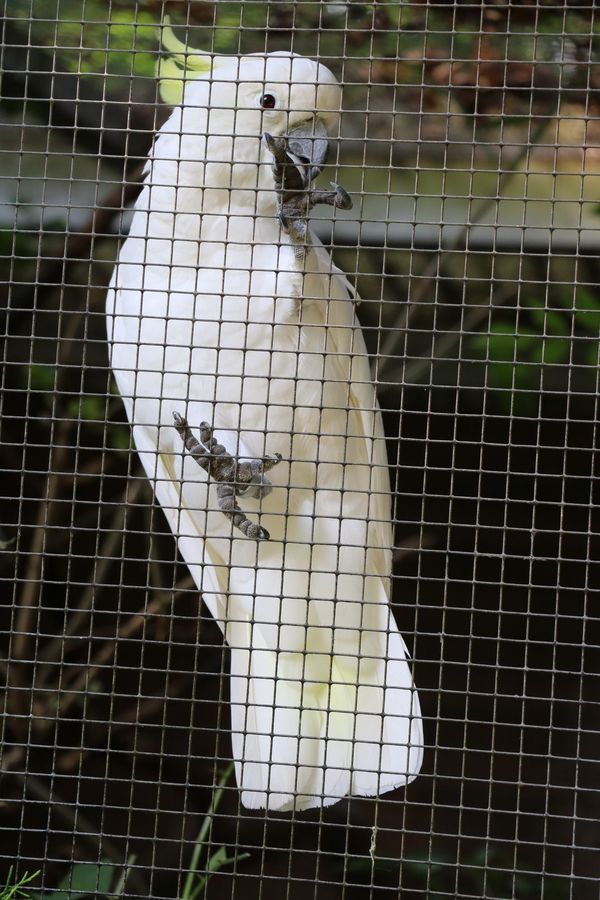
[(308, 146)]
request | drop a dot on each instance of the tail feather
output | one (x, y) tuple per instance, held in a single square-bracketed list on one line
[(300, 744)]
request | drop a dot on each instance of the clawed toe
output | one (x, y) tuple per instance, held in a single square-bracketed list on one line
[(342, 197), (234, 479)]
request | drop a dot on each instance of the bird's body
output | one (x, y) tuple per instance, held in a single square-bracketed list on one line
[(212, 312)]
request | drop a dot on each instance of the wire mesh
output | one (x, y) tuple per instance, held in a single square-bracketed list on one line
[(469, 144)]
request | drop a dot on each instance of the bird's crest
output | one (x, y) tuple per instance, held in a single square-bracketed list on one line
[(178, 64)]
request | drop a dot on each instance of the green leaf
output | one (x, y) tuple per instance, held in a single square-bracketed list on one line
[(587, 310), (119, 437), (13, 891), (220, 859), (503, 342), (119, 888), (83, 880), (195, 882), (501, 375), (527, 341), (527, 376), (554, 351), (18, 243), (592, 355), (549, 321), (87, 408), (41, 378), (499, 344)]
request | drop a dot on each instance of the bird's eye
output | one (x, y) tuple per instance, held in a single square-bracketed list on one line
[(268, 101)]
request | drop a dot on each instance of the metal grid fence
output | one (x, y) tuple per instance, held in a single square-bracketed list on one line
[(469, 144)]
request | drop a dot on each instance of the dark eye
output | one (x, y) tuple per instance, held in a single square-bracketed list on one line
[(268, 101)]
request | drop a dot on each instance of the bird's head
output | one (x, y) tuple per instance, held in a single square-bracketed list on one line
[(224, 106)]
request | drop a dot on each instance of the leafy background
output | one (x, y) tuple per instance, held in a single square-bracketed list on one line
[(470, 146)]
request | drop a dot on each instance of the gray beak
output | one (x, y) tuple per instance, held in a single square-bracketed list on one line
[(308, 145)]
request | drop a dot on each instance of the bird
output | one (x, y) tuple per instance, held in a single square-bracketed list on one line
[(236, 349)]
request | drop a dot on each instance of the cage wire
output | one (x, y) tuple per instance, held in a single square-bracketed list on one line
[(469, 144)]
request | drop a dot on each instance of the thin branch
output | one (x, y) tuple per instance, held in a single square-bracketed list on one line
[(84, 829), (54, 271), (74, 690), (54, 650), (452, 338), (423, 291)]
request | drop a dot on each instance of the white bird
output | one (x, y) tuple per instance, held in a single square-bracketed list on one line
[(213, 312)]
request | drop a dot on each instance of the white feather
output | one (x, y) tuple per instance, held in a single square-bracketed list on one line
[(210, 314)]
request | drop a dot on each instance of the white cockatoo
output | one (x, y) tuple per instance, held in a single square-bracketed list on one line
[(223, 311)]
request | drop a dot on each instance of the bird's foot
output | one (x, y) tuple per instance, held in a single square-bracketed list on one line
[(292, 194), (295, 198), (250, 478), (289, 179), (234, 478)]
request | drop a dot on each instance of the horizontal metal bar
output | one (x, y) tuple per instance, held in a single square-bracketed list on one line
[(444, 238), (478, 238)]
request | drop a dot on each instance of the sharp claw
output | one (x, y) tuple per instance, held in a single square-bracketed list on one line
[(258, 533), (342, 198), (180, 423), (298, 230), (276, 146)]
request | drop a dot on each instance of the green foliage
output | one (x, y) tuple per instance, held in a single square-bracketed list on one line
[(40, 381), (128, 42), (537, 338), (87, 879), (95, 38), (40, 378), (107, 879), (87, 408), (17, 243), (196, 881), (587, 310), (92, 410), (84, 880), (215, 861), (386, 40), (483, 872), (13, 890)]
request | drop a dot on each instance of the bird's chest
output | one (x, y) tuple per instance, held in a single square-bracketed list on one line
[(245, 334), (245, 312)]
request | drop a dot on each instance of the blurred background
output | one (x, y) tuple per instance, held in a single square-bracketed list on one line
[(471, 149)]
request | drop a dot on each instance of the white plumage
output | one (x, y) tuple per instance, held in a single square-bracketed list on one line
[(211, 313)]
